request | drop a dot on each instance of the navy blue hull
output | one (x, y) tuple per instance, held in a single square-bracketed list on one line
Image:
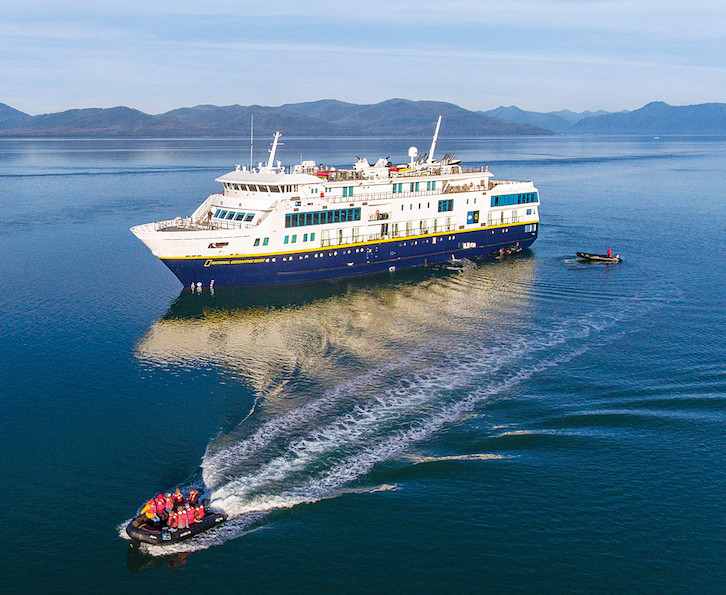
[(347, 261)]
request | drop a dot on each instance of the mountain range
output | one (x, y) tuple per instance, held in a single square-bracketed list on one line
[(394, 117)]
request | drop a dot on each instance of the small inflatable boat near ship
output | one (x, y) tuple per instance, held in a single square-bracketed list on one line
[(141, 530), (599, 257)]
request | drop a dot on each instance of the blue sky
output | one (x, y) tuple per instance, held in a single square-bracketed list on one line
[(538, 55)]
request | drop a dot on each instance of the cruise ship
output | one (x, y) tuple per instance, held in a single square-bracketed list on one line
[(272, 224)]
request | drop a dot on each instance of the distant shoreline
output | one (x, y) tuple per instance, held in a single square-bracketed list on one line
[(337, 119)]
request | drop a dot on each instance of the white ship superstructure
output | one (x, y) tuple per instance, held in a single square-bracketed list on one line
[(276, 225)]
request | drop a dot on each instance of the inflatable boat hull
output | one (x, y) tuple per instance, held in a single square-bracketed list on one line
[(139, 530), (599, 257)]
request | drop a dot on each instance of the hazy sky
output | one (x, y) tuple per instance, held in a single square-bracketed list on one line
[(539, 55)]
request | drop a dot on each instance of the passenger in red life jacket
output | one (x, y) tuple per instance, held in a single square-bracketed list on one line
[(182, 521), (160, 507), (610, 253), (149, 510), (173, 522), (198, 513), (190, 515), (193, 497), (167, 501), (177, 499)]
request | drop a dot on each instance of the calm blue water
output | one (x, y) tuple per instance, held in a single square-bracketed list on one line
[(533, 424)]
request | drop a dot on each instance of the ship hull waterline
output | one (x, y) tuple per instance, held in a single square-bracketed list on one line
[(342, 261)]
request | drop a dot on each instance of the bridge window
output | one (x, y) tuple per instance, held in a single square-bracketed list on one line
[(514, 199)]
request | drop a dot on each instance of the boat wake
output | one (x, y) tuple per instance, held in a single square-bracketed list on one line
[(318, 449)]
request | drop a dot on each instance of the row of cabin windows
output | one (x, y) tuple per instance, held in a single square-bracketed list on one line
[(513, 199), (293, 238), (413, 187), (444, 205), (234, 215), (261, 187), (319, 217), (264, 242)]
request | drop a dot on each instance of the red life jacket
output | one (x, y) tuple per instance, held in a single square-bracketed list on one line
[(159, 503), (146, 507), (173, 522), (167, 502), (182, 519), (177, 498), (151, 506), (190, 516), (199, 513)]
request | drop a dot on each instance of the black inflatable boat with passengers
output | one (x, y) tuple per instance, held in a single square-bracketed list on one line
[(141, 530)]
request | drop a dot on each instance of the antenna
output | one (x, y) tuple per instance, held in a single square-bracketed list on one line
[(252, 128), (433, 142), (271, 161)]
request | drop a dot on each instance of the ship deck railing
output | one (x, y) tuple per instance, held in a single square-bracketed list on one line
[(188, 224), (415, 232), (387, 196), (350, 175), (373, 237)]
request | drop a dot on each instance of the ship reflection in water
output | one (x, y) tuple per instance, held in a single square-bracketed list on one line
[(344, 375), (325, 333)]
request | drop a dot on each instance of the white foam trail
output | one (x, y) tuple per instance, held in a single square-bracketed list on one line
[(215, 462), (321, 461)]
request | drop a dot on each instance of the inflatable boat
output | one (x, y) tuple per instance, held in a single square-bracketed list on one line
[(140, 530), (599, 257)]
